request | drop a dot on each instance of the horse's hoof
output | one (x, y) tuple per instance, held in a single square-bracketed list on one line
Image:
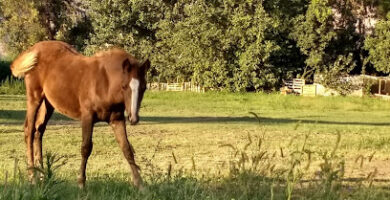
[(81, 186), (32, 179), (138, 183), (81, 183), (141, 187)]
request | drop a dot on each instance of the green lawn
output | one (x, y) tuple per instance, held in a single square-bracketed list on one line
[(209, 146)]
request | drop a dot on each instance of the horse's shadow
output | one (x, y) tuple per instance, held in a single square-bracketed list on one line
[(247, 119), (12, 117)]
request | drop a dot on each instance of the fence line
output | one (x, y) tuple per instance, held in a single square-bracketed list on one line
[(184, 86)]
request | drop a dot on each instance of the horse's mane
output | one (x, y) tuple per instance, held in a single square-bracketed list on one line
[(70, 48), (108, 52), (116, 50)]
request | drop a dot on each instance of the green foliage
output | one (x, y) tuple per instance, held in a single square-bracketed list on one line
[(288, 60), (8, 84), (25, 22), (52, 16), (47, 185), (314, 32), (12, 85), (383, 8), (20, 27), (378, 46), (225, 45), (326, 48), (218, 45), (327, 35), (127, 24), (234, 45)]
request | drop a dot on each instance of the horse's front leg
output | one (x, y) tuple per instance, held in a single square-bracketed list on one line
[(119, 127), (86, 147)]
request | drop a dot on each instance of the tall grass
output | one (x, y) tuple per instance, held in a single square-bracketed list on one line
[(255, 173), (8, 84), (47, 185), (12, 86)]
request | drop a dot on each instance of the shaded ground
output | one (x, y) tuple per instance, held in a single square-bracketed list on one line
[(8, 117)]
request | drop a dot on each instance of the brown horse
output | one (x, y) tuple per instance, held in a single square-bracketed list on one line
[(90, 89)]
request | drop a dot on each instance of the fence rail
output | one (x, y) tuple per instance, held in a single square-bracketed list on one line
[(184, 86), (295, 85)]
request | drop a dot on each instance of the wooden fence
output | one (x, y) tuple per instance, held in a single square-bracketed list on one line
[(293, 86), (184, 86)]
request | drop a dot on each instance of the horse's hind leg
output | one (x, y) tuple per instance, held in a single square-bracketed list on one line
[(34, 100), (44, 113), (119, 127)]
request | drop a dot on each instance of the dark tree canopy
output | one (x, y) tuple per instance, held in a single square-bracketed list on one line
[(235, 45)]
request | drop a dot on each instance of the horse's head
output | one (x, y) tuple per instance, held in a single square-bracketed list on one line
[(134, 88)]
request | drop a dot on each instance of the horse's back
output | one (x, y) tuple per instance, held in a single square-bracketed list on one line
[(60, 73), (55, 51), (53, 46), (55, 60)]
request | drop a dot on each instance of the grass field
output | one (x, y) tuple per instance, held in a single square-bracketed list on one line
[(210, 146)]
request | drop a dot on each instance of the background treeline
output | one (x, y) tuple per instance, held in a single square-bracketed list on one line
[(235, 45)]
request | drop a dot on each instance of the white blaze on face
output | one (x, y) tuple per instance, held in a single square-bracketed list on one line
[(134, 85)]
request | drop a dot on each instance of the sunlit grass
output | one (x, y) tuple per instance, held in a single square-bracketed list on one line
[(188, 133)]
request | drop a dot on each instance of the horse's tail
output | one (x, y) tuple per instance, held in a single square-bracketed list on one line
[(24, 63)]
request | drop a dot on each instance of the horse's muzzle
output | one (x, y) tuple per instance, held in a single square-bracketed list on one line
[(133, 120)]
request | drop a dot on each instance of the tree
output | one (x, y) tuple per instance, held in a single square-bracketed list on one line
[(329, 48), (218, 44), (26, 22), (383, 8), (51, 15), (128, 24), (290, 61), (20, 27), (236, 45), (378, 46)]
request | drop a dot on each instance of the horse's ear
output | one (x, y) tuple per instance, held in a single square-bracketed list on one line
[(126, 66), (146, 65)]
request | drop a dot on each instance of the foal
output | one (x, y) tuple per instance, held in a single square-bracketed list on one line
[(90, 89)]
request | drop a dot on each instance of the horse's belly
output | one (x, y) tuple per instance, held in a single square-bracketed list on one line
[(61, 87), (64, 102)]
